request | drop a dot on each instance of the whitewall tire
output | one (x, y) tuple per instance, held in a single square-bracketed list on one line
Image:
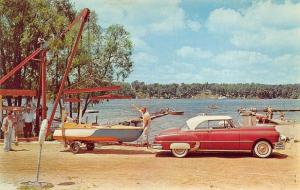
[(180, 153), (262, 149)]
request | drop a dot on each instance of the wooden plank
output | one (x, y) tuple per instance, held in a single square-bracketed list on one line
[(13, 108), (266, 110), (110, 96), (89, 90), (17, 92), (73, 100)]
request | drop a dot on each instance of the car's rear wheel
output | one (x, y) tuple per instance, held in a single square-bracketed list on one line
[(180, 153), (262, 149)]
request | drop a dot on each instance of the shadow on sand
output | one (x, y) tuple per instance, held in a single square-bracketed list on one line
[(112, 151), (275, 155), (19, 150)]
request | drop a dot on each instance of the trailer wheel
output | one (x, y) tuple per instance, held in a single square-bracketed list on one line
[(90, 146), (75, 147)]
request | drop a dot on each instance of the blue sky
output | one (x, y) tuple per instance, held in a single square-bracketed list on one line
[(197, 41)]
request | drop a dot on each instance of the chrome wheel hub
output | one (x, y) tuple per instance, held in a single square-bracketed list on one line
[(263, 149), (180, 151)]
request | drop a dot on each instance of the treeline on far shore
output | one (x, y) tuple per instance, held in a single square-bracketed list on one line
[(138, 89)]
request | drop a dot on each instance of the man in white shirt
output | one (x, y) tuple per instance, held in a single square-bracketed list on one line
[(28, 118)]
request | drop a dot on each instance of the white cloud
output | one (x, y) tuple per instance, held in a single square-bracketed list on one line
[(139, 17), (288, 59), (140, 44), (249, 66), (283, 15), (193, 25), (194, 53), (224, 20), (143, 58), (263, 26), (240, 59), (268, 39), (142, 17)]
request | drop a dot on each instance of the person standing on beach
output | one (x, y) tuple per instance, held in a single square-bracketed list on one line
[(146, 124), (28, 118), (7, 128)]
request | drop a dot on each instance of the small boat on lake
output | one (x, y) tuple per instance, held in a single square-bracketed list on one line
[(176, 112), (213, 107)]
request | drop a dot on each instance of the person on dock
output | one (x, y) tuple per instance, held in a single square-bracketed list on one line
[(270, 113), (146, 124), (282, 116), (7, 128), (28, 118)]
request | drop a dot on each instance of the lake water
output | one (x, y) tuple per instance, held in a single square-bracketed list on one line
[(116, 111)]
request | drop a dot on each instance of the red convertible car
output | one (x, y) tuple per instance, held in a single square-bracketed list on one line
[(219, 133)]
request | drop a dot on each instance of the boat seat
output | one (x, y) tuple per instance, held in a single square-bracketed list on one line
[(72, 125)]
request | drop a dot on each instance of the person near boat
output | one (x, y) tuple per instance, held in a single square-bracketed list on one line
[(67, 118), (28, 118), (146, 124), (8, 131)]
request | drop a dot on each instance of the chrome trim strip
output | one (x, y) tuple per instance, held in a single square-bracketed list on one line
[(211, 141), (156, 146), (210, 150)]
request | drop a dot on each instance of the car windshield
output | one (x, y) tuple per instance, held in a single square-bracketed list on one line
[(185, 128), (236, 124)]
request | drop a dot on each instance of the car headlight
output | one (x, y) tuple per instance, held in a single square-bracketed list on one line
[(282, 138)]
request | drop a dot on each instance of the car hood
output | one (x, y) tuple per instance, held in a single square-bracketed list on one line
[(170, 131)]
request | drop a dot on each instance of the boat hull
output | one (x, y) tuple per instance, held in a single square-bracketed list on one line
[(103, 134), (176, 112)]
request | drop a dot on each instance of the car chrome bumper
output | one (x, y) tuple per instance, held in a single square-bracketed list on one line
[(157, 146), (279, 146)]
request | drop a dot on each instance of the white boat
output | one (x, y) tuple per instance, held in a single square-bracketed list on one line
[(222, 97), (76, 134)]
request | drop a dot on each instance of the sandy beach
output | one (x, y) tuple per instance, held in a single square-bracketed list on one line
[(125, 167)]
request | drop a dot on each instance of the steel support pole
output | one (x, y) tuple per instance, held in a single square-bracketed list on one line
[(19, 66), (68, 67), (38, 165), (43, 75)]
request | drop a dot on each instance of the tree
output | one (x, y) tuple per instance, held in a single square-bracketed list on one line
[(105, 58), (104, 55), (22, 22)]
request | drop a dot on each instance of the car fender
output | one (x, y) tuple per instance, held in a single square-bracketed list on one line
[(180, 146)]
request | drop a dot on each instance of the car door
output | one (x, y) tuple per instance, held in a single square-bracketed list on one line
[(223, 136), (201, 134)]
